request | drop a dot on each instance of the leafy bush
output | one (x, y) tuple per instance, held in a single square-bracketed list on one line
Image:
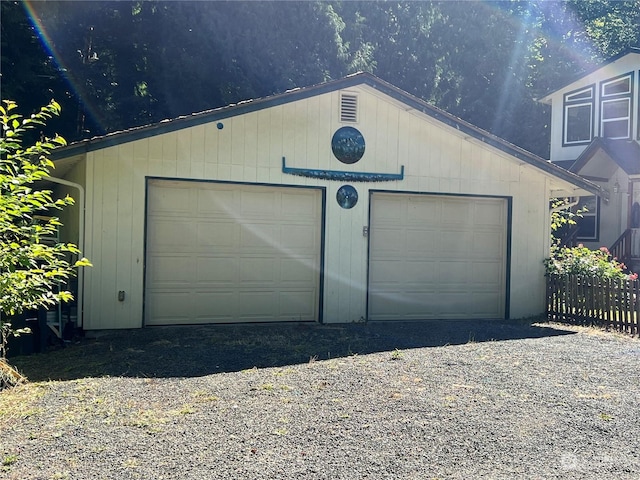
[(581, 260), (33, 272)]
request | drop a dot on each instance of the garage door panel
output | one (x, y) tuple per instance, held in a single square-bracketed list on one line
[(298, 238), (171, 235), (215, 270), (170, 201), (299, 270), (452, 244), (258, 270), (299, 207), (166, 304), (171, 269), (216, 234), (214, 202), (259, 237), (489, 272), (416, 241), (488, 214), (241, 253), (423, 212), (452, 265), (257, 204), (297, 304), (455, 212)]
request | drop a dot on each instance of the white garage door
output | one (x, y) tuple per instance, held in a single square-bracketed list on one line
[(220, 253), (437, 257)]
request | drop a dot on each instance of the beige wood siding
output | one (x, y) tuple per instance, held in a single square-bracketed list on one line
[(250, 147), (436, 256), (221, 253)]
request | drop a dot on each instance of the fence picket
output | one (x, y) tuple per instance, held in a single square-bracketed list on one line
[(613, 304)]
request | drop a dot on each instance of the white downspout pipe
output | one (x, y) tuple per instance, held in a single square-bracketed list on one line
[(80, 240)]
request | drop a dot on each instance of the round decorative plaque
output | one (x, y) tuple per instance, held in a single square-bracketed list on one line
[(347, 196), (347, 145)]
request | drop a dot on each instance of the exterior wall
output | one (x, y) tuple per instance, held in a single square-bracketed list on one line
[(628, 63), (250, 147), (69, 232), (614, 213)]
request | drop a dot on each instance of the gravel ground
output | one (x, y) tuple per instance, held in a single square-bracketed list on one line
[(403, 401)]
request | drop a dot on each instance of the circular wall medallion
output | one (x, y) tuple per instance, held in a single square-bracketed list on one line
[(347, 196), (348, 145)]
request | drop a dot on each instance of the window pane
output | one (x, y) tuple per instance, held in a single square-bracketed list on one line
[(615, 109), (583, 95), (578, 123), (586, 228), (619, 86), (616, 129), (590, 203)]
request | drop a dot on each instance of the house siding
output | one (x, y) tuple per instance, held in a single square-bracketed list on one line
[(249, 149)]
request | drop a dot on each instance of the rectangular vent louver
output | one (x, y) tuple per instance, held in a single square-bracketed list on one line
[(348, 108)]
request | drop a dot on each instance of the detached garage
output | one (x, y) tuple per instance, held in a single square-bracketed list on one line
[(348, 201)]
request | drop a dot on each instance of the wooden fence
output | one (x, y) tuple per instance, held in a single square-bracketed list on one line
[(613, 304)]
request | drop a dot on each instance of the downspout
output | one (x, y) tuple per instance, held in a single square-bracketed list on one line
[(80, 240)]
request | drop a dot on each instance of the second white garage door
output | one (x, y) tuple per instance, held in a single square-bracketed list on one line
[(437, 257), (221, 253)]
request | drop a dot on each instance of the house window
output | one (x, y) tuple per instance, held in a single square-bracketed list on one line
[(615, 107), (578, 116), (589, 224)]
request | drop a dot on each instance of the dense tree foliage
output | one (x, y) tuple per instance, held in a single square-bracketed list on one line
[(114, 65)]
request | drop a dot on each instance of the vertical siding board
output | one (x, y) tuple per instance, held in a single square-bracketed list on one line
[(238, 125), (312, 128), (212, 137), (123, 231), (139, 169), (169, 154), (90, 278), (183, 154), (109, 252), (264, 127), (197, 151), (327, 112), (276, 148), (224, 141), (93, 315), (300, 132)]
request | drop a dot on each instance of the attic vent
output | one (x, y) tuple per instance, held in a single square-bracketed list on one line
[(348, 108)]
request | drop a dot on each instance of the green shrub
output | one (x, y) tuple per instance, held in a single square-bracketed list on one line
[(581, 260)]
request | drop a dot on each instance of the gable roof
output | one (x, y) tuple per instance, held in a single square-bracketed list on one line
[(626, 153), (362, 78), (631, 50)]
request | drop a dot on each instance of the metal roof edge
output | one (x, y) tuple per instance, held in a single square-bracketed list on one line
[(630, 50), (359, 78), (483, 135), (206, 116)]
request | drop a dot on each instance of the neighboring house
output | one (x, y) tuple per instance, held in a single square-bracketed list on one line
[(595, 133), (342, 202)]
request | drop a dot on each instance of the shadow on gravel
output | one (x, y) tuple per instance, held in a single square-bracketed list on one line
[(191, 351)]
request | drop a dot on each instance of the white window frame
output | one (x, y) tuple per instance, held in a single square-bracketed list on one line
[(625, 95), (578, 98), (595, 214)]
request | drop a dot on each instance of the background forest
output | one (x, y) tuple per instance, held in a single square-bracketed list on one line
[(115, 65)]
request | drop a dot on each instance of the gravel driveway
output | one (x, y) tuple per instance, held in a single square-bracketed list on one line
[(403, 401)]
